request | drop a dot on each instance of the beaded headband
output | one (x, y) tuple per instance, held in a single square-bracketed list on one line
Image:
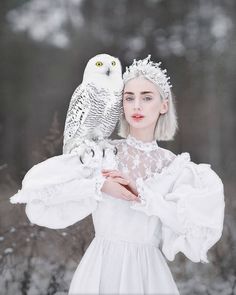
[(151, 71)]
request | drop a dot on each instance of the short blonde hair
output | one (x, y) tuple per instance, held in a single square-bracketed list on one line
[(166, 125)]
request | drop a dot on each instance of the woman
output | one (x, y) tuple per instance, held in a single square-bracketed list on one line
[(145, 201)]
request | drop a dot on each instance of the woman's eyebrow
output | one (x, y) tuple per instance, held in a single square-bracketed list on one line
[(127, 92), (143, 92), (146, 92)]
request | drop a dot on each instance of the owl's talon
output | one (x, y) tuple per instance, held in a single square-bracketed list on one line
[(103, 153), (115, 150), (81, 160), (93, 152)]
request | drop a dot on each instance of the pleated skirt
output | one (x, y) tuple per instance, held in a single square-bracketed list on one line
[(111, 266)]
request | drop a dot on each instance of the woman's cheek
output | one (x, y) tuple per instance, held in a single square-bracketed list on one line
[(127, 112)]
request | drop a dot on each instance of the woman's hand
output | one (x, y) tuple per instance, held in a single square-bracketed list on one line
[(117, 176), (118, 187)]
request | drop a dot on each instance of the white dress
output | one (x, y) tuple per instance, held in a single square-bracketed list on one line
[(182, 210)]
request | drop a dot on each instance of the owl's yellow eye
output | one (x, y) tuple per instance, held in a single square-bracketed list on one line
[(113, 63), (99, 64)]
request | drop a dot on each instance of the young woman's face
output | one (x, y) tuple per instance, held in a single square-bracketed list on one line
[(142, 104)]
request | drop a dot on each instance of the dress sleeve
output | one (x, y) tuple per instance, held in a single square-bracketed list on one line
[(60, 191), (188, 198)]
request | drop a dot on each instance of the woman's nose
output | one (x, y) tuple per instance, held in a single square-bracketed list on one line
[(137, 104)]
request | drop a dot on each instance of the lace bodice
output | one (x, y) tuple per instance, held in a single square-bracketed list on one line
[(141, 159)]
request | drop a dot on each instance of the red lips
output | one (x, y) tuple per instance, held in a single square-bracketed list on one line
[(137, 116)]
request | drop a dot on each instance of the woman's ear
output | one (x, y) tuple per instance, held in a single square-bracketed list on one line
[(164, 106)]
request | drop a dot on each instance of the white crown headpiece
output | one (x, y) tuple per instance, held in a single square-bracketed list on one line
[(151, 71)]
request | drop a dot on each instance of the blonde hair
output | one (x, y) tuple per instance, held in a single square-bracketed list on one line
[(166, 125)]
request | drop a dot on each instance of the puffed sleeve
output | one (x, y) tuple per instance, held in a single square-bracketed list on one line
[(60, 191), (188, 198)]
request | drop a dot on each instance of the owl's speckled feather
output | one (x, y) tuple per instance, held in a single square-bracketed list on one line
[(96, 103)]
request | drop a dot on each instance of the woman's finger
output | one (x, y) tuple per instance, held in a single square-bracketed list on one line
[(111, 171), (128, 195), (119, 180), (108, 170), (113, 174)]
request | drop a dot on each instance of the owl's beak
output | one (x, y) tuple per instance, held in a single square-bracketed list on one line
[(108, 71)]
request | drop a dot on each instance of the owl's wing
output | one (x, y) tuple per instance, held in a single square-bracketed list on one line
[(77, 113)]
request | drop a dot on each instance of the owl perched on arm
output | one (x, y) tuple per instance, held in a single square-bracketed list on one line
[(95, 105)]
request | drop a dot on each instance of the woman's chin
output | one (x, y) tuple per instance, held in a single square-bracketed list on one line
[(138, 125)]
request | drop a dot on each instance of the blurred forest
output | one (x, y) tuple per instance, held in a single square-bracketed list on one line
[(44, 47)]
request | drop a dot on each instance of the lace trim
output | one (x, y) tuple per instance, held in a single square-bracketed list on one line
[(141, 145), (208, 236), (18, 198), (140, 189), (47, 194), (173, 169), (99, 180)]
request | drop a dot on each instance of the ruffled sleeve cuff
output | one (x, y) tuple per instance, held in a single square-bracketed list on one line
[(63, 192), (145, 197), (58, 180), (19, 198), (152, 191), (189, 200)]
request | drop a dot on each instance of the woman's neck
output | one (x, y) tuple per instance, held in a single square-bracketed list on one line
[(143, 135)]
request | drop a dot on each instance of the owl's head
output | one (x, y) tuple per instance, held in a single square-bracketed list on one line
[(103, 68)]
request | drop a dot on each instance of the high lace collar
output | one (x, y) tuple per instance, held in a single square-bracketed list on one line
[(141, 145)]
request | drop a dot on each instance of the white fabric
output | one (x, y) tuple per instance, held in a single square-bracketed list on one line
[(182, 210)]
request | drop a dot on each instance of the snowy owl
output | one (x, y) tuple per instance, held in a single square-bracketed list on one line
[(95, 105)]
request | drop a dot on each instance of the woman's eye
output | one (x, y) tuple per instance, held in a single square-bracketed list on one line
[(147, 98), (129, 98)]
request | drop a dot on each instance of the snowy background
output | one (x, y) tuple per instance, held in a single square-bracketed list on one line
[(44, 46)]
